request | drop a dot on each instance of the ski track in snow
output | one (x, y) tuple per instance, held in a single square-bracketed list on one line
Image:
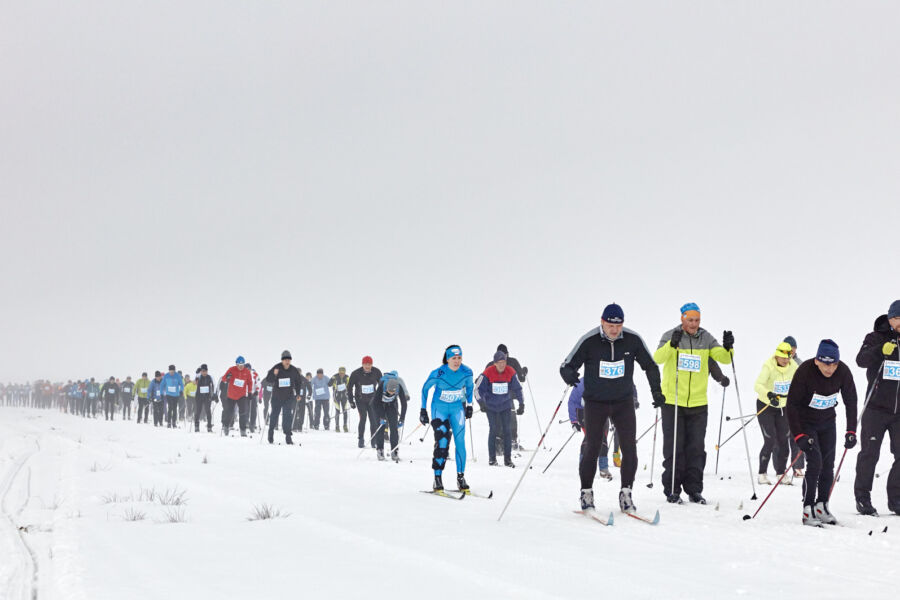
[(359, 527)]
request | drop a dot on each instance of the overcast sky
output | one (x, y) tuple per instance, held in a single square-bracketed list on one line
[(189, 181)]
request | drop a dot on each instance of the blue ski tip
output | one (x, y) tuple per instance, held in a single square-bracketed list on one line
[(610, 520), (655, 518)]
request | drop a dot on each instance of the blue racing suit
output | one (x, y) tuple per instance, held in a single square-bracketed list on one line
[(452, 392)]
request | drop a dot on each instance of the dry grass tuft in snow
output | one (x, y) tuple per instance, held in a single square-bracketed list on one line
[(174, 515), (98, 467), (131, 514), (115, 498), (265, 511), (146, 495), (172, 497)]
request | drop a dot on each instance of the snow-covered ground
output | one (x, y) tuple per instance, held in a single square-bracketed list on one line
[(359, 528)]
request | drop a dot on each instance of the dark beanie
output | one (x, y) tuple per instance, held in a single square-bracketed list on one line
[(613, 313), (894, 310), (498, 355), (790, 340), (502, 348), (828, 352)]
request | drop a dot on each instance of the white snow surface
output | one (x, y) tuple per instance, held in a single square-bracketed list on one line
[(359, 528)]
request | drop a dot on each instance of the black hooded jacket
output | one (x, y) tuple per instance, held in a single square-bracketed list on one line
[(886, 396)]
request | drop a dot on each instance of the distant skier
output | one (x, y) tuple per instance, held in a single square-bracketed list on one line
[(389, 415), (206, 393), (772, 387), (239, 380), (810, 411), (521, 375), (498, 387), (451, 405), (173, 392), (339, 392), (126, 394), (143, 390), (156, 397), (362, 384), (287, 382), (110, 394), (321, 395)]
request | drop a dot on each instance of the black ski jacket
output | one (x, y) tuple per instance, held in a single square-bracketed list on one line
[(886, 396), (287, 384), (362, 385), (812, 396)]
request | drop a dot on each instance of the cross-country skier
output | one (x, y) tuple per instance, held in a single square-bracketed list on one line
[(772, 387), (521, 375), (321, 394), (109, 393), (608, 354), (172, 389), (338, 384), (810, 410), (451, 405), (881, 359), (143, 390), (389, 415), (498, 386), (362, 384), (239, 380), (287, 383), (206, 393), (126, 394), (156, 397)]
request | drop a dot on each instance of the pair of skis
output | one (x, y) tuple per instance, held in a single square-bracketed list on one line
[(458, 494), (608, 521)]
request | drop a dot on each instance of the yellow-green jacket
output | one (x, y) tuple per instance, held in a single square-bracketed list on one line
[(694, 352), (190, 390), (141, 387), (768, 376)]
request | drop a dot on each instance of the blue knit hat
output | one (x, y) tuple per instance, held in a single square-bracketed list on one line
[(690, 306), (828, 352), (613, 314), (894, 310)]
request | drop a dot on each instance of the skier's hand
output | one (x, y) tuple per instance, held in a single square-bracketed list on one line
[(727, 340), (570, 376), (524, 371), (521, 410), (659, 399), (576, 426), (849, 439), (352, 404), (888, 348), (399, 424), (725, 381), (774, 399), (275, 371), (383, 422), (423, 416), (676, 337), (468, 411), (805, 443)]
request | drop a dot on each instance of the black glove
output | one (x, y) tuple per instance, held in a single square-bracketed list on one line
[(805, 443), (676, 337), (659, 399), (521, 410), (849, 440), (353, 404), (468, 411), (576, 426), (423, 416), (570, 376), (727, 340), (725, 381), (524, 371)]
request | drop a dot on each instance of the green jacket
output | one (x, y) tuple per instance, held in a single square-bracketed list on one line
[(694, 353), (770, 374), (190, 389), (141, 386)]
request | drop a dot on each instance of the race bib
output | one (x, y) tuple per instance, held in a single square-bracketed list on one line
[(451, 395), (341, 387), (821, 402), (171, 389), (204, 389), (368, 389), (321, 391), (126, 390), (110, 392), (192, 393), (386, 398), (91, 394), (238, 383), (891, 370), (689, 362), (612, 370), (500, 388), (269, 387), (284, 382), (144, 391), (782, 387)]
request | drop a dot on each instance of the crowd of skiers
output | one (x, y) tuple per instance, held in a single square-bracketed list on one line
[(795, 406)]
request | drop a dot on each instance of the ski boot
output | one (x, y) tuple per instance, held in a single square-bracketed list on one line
[(507, 462), (696, 498), (271, 436), (605, 474), (492, 462), (587, 500), (864, 505), (461, 483), (438, 485), (345, 428), (395, 455), (289, 441), (226, 431), (824, 515), (894, 506), (809, 517), (625, 501), (243, 433), (380, 454), (788, 479), (764, 479), (361, 443), (798, 473), (674, 499), (196, 429), (337, 429)]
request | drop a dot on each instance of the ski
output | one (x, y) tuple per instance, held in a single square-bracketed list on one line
[(444, 494), (653, 521), (593, 515), (474, 494)]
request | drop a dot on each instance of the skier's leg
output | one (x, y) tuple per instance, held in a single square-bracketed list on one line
[(781, 455), (826, 441), (493, 430), (668, 430), (440, 425), (458, 425), (595, 416), (766, 421), (813, 469), (362, 407), (506, 418), (393, 417), (243, 413), (871, 435), (694, 448), (624, 420)]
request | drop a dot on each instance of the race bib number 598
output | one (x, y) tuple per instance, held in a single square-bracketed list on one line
[(689, 362)]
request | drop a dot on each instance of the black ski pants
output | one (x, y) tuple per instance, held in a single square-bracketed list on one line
[(819, 462), (228, 408), (875, 423), (340, 408), (126, 409), (284, 407), (300, 414), (158, 410), (690, 457), (253, 405), (109, 408), (622, 416), (388, 412), (172, 410), (500, 427), (323, 414), (365, 409), (202, 407), (776, 438), (143, 409)]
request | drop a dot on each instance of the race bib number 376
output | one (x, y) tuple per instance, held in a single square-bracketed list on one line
[(689, 362), (892, 370), (612, 370)]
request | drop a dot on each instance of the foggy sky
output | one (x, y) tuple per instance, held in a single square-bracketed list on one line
[(183, 182)]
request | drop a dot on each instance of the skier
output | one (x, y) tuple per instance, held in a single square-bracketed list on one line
[(793, 343), (190, 397), (497, 387), (690, 347), (109, 393), (156, 396), (321, 395), (287, 384), (92, 396), (388, 415), (300, 412), (608, 354), (126, 393), (362, 384), (576, 419), (239, 380), (879, 356), (254, 399), (521, 374), (810, 411), (172, 389), (772, 387), (143, 389), (206, 393), (339, 383), (451, 405)]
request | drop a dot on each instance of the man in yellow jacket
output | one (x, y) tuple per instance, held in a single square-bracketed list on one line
[(688, 349)]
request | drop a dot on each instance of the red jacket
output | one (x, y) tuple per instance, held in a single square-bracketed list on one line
[(240, 382)]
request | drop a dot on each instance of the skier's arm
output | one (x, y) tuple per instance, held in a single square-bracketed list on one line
[(796, 395), (470, 387), (403, 402), (870, 352), (715, 371), (719, 353), (569, 368), (575, 400), (429, 383), (761, 387), (665, 351), (848, 393)]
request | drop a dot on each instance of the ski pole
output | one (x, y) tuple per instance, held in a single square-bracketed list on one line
[(719, 443), (470, 433), (739, 417), (533, 404), (675, 434), (737, 390), (533, 454), (653, 455), (574, 431), (741, 428), (858, 420), (422, 439), (652, 426), (777, 483), (411, 432), (366, 447)]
